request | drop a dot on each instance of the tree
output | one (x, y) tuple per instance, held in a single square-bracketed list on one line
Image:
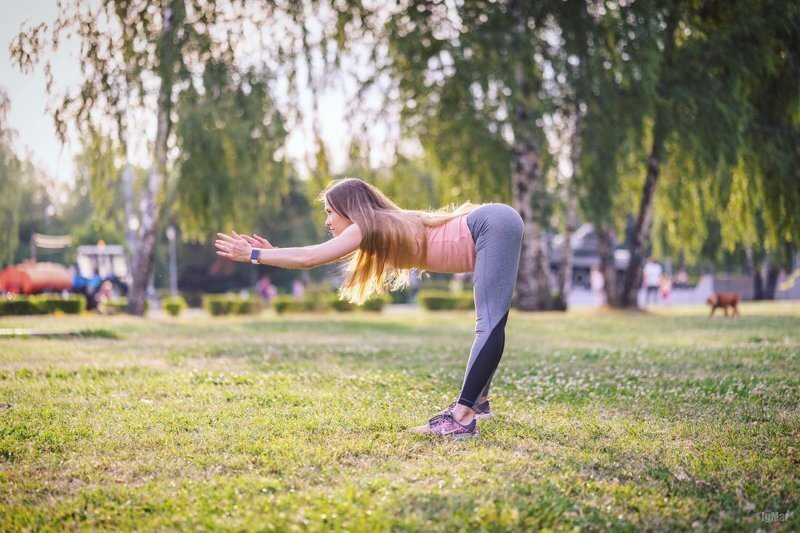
[(10, 174), (137, 56), (702, 118), (468, 80), (607, 61)]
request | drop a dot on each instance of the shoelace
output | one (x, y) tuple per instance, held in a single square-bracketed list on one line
[(444, 415)]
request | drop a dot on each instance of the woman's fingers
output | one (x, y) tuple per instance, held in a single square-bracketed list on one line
[(225, 237), (262, 241)]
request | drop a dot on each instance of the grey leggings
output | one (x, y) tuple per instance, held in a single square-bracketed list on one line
[(497, 231)]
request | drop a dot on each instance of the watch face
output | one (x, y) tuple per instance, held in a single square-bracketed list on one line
[(254, 254)]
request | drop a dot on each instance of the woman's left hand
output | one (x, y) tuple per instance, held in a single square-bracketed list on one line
[(233, 247)]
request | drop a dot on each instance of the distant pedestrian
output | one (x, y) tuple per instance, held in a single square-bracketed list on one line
[(266, 290), (665, 286), (597, 282), (298, 288), (651, 280)]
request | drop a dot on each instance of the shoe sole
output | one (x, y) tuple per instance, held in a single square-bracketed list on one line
[(464, 436), (484, 416)]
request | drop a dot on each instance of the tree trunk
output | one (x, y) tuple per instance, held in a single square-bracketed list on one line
[(770, 279), (605, 249), (527, 186), (564, 279), (152, 195), (640, 239)]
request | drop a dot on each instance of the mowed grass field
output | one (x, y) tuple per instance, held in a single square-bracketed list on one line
[(665, 420)]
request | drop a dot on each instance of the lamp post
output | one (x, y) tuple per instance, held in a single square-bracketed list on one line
[(173, 262)]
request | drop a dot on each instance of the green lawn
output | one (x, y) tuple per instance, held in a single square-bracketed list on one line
[(622, 420)]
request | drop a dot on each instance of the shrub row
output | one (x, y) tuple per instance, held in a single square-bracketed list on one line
[(434, 300), (320, 303), (226, 304), (42, 305)]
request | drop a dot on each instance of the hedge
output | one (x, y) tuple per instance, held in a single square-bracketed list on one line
[(434, 300), (227, 304), (42, 305), (119, 306), (325, 302), (173, 305)]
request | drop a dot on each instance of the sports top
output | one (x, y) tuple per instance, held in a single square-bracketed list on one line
[(451, 248)]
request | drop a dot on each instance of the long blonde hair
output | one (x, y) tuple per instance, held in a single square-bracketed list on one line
[(392, 238)]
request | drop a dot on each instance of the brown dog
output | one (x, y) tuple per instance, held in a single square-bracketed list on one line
[(724, 300)]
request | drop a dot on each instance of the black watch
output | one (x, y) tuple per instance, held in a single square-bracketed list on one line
[(255, 255)]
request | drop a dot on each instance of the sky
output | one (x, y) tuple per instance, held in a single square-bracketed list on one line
[(35, 131)]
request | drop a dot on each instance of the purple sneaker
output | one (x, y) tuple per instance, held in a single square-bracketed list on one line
[(445, 425)]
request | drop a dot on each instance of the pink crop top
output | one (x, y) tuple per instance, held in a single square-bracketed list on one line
[(450, 247)]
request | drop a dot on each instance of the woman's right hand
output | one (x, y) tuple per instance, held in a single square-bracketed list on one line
[(256, 241)]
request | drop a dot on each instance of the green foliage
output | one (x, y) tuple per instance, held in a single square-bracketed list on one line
[(118, 306), (434, 300), (96, 229), (20, 305), (319, 302), (42, 305), (229, 134), (228, 304), (376, 303), (10, 184), (732, 157), (174, 305), (287, 304)]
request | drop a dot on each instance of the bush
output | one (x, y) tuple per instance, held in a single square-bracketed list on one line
[(248, 306), (288, 304), (174, 305), (322, 302), (227, 304), (42, 305), (445, 301), (376, 303), (20, 305), (342, 306), (71, 305), (117, 306)]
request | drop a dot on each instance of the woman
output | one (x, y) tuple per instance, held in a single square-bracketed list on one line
[(383, 243)]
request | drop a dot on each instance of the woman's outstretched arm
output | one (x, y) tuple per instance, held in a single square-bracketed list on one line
[(239, 247)]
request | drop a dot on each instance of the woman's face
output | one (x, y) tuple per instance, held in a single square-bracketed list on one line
[(335, 222)]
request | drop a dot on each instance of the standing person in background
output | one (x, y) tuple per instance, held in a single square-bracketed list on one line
[(665, 285), (651, 279), (382, 243), (597, 283), (298, 288), (266, 290)]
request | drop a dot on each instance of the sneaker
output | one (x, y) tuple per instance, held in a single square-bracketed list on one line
[(483, 411), (445, 425)]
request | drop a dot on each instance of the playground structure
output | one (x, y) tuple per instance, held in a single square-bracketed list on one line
[(95, 266)]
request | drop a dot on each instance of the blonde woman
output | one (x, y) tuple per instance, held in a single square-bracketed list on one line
[(382, 243)]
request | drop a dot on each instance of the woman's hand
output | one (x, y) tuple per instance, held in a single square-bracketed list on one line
[(234, 247), (256, 241)]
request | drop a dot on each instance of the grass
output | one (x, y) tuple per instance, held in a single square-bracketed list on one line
[(604, 420)]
